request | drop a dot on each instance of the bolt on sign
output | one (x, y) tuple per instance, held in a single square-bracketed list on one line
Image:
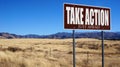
[(86, 17)]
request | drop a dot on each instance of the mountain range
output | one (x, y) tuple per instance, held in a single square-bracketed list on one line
[(63, 35)]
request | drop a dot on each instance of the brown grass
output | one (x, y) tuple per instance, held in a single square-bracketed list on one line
[(57, 53)]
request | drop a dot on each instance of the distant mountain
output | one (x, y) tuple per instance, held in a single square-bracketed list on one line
[(63, 35), (6, 35)]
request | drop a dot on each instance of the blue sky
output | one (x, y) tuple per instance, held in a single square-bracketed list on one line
[(46, 16)]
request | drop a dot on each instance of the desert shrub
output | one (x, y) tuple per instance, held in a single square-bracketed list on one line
[(80, 45), (36, 43), (116, 44), (106, 46), (14, 49), (55, 50), (40, 50), (70, 52), (93, 47)]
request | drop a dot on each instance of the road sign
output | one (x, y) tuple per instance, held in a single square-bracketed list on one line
[(86, 17)]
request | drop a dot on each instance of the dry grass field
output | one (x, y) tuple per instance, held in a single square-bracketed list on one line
[(57, 53)]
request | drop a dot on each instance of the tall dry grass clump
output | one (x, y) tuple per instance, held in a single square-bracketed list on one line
[(9, 60)]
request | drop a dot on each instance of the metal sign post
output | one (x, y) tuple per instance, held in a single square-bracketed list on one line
[(102, 36), (74, 61), (77, 17)]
